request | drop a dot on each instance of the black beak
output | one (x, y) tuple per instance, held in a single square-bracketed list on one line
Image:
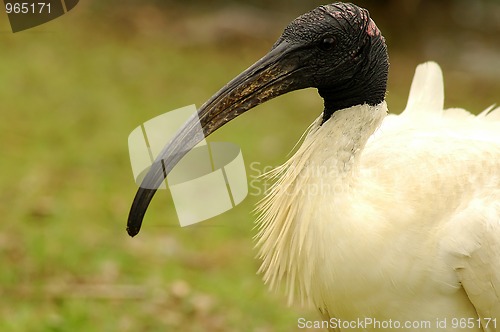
[(273, 75)]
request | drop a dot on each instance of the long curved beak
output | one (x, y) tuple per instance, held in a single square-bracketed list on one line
[(271, 76)]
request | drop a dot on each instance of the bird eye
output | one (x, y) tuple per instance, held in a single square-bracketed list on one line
[(327, 43)]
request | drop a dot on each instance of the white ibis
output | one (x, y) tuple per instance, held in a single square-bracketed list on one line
[(381, 222)]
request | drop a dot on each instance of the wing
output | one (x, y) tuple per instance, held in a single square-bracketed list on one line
[(469, 146), (425, 113), (473, 241)]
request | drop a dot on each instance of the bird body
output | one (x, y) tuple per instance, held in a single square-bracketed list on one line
[(393, 220), (389, 218)]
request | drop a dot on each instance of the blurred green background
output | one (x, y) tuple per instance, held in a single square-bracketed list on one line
[(73, 89)]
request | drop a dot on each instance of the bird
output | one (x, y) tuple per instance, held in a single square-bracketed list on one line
[(380, 221)]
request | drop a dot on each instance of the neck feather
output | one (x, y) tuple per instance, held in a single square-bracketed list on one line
[(317, 171)]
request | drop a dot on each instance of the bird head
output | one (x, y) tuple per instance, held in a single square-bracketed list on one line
[(335, 48), (339, 50)]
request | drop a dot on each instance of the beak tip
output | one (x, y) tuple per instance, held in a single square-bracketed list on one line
[(139, 206), (134, 224), (132, 231)]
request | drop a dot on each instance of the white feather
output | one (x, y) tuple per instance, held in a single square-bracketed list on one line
[(391, 218)]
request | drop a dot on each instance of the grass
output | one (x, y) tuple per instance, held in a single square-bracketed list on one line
[(69, 97), (68, 105)]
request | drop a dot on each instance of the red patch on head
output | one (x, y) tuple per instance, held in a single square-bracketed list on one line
[(372, 29)]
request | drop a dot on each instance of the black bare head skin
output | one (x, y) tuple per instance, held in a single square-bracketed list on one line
[(343, 55)]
